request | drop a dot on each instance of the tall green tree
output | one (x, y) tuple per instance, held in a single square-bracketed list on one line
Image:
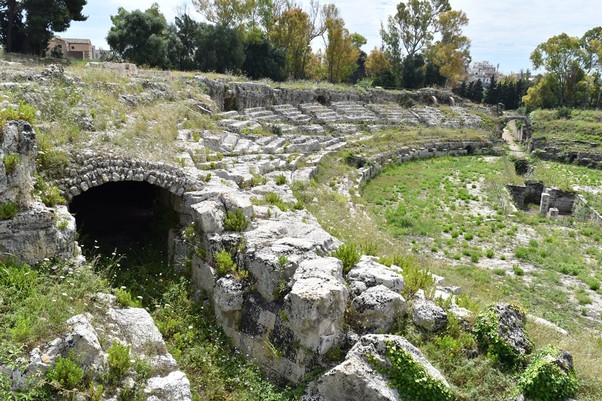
[(219, 49), (341, 52), (562, 56), (140, 36), (264, 60), (28, 25)]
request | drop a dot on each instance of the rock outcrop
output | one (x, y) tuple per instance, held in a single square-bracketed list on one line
[(89, 339), (357, 377), (29, 231)]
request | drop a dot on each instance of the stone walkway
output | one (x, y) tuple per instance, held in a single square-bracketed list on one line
[(515, 148)]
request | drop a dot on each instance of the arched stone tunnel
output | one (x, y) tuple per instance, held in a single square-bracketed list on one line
[(125, 214)]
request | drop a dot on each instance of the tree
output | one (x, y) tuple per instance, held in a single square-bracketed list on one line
[(451, 52), (341, 53), (28, 25), (187, 32), (293, 33), (219, 49), (413, 71), (562, 56), (263, 60), (493, 93), (416, 23), (228, 13), (139, 37)]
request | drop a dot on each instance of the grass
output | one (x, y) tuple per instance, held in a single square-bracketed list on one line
[(475, 223)]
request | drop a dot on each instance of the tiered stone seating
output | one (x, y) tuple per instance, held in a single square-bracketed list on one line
[(393, 113), (354, 111), (321, 114), (291, 114)]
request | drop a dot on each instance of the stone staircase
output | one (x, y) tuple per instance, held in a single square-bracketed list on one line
[(354, 112), (291, 114), (320, 113), (394, 114)]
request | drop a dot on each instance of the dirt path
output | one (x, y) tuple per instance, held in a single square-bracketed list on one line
[(515, 148)]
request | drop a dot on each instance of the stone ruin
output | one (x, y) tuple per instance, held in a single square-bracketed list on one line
[(552, 202)]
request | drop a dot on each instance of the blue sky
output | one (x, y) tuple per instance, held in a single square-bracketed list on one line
[(502, 32)]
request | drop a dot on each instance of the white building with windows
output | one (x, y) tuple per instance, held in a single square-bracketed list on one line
[(482, 70)]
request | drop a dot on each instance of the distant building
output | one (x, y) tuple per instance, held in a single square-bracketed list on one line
[(482, 70), (80, 49)]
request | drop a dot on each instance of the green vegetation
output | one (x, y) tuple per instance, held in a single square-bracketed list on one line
[(348, 254), (545, 380), (124, 298), (225, 265), (409, 378), (119, 361), (488, 336), (10, 162), (8, 210), (235, 220), (66, 374), (22, 112)]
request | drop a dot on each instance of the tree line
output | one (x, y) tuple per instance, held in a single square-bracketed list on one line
[(423, 43), (573, 72)]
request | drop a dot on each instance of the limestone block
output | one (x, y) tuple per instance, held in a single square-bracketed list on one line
[(203, 275), (372, 273), (234, 200), (136, 327), (228, 295), (427, 315), (173, 387), (378, 307), (83, 340), (316, 303), (209, 216), (355, 379)]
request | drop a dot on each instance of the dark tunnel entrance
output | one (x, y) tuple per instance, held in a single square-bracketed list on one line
[(129, 221)]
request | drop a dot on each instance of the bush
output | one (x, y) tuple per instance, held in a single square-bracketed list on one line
[(274, 199), (280, 179), (10, 162), (545, 380), (22, 112), (235, 220), (119, 361), (348, 254), (564, 113), (488, 337), (410, 378), (8, 210), (65, 374), (124, 298), (224, 263)]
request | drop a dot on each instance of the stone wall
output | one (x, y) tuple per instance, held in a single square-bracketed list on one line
[(35, 232), (95, 170), (426, 151), (243, 95)]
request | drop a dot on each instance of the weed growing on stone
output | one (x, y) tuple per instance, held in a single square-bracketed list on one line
[(348, 254), (8, 210), (235, 220)]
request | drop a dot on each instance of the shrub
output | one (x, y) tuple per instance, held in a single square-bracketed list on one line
[(66, 374), (124, 298), (545, 380), (488, 337), (348, 254), (274, 199), (119, 361), (280, 179), (564, 113), (235, 220), (8, 210), (224, 263), (410, 378), (10, 162)]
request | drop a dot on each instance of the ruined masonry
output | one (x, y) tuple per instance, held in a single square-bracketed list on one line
[(291, 310)]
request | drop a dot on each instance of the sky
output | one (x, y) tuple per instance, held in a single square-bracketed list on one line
[(502, 32)]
